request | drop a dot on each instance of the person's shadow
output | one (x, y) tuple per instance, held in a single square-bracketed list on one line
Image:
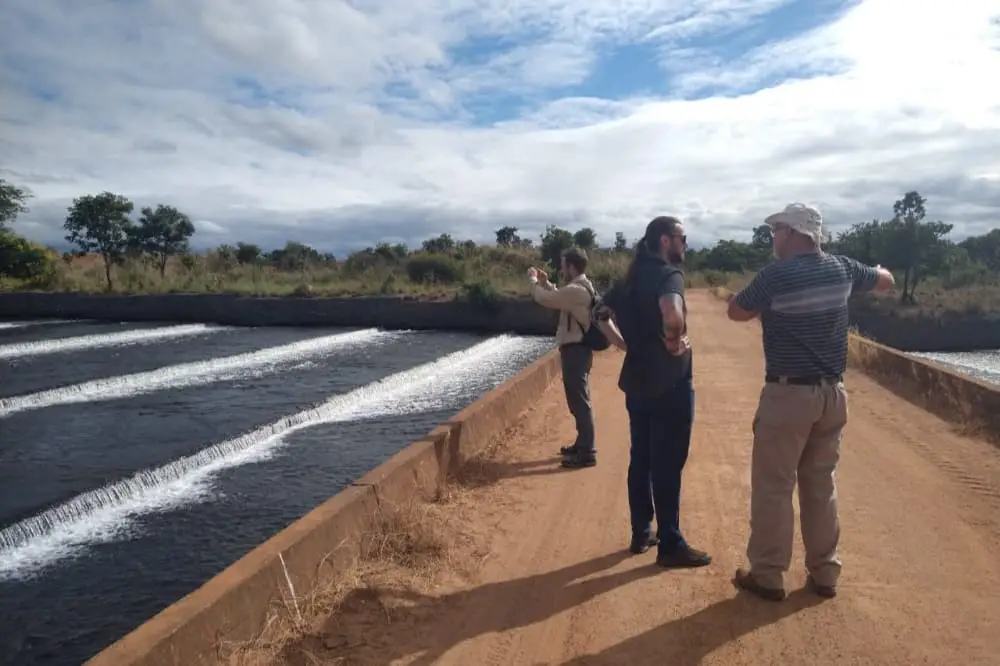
[(688, 640), (381, 626)]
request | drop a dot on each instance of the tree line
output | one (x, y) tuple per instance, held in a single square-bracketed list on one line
[(907, 243)]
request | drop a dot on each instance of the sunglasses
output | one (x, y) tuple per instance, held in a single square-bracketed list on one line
[(683, 237)]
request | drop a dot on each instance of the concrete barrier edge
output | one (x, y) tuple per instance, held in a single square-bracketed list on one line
[(232, 606)]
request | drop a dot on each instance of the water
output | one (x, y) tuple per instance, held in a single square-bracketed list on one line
[(983, 365), (137, 461)]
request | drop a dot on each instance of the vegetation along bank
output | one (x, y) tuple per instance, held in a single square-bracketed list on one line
[(948, 295)]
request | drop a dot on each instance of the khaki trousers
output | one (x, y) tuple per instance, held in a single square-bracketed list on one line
[(797, 433)]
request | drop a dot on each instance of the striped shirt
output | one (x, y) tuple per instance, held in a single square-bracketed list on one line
[(802, 303)]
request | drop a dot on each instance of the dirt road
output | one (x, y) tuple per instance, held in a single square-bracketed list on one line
[(920, 512)]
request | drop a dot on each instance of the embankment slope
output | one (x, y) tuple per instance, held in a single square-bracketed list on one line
[(946, 332), (920, 511), (521, 316)]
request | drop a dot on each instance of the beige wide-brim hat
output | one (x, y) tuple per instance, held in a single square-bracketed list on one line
[(802, 218)]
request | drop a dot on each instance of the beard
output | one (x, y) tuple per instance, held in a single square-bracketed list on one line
[(675, 257)]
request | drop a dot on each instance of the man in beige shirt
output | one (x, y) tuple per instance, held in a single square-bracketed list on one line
[(574, 300)]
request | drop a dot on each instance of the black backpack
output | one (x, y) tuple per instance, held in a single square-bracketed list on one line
[(593, 337)]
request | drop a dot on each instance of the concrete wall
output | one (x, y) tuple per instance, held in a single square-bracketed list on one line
[(233, 605), (954, 397), (948, 332), (521, 316)]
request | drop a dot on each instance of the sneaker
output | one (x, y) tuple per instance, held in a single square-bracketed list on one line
[(684, 557), (568, 450), (744, 580)]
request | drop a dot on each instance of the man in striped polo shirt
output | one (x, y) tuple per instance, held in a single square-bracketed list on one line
[(801, 300)]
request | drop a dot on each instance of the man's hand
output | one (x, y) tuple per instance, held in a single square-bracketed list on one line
[(532, 273), (677, 344), (542, 275)]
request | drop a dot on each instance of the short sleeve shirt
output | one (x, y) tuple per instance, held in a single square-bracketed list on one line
[(649, 369), (802, 303)]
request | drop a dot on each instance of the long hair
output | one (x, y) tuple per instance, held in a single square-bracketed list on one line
[(657, 228)]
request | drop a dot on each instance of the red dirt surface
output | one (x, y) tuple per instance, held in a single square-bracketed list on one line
[(920, 516)]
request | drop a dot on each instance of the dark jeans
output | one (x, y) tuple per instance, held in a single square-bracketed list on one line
[(576, 363), (661, 436)]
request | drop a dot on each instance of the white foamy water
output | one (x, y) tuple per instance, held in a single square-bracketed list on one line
[(107, 513), (34, 322), (121, 339), (198, 373), (983, 365)]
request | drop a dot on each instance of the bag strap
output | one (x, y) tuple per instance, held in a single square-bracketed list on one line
[(593, 301)]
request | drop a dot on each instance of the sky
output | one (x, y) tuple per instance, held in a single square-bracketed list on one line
[(343, 124)]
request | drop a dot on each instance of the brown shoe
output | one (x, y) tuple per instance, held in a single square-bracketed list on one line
[(744, 580), (825, 591)]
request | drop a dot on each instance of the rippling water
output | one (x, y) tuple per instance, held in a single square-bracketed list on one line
[(983, 365), (137, 461)]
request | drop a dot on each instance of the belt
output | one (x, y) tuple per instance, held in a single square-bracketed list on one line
[(816, 380)]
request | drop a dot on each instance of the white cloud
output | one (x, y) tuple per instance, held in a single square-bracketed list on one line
[(342, 123)]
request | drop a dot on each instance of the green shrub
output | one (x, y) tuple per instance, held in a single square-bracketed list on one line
[(23, 260), (715, 278), (482, 294), (434, 268)]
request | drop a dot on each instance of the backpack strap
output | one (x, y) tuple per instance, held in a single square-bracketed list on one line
[(593, 301)]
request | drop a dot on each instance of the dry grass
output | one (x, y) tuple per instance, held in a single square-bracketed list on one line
[(409, 549), (935, 300), (501, 269)]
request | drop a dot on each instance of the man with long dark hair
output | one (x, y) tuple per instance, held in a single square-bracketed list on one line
[(656, 377)]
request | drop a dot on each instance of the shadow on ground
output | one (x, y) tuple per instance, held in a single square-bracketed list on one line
[(688, 640), (482, 473), (379, 626)]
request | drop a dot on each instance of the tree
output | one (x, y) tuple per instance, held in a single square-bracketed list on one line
[(247, 253), (294, 256), (916, 247), (585, 238), (391, 253), (21, 259), (984, 249), (100, 223), (732, 256), (864, 242), (621, 243), (507, 237), (440, 245), (12, 202), (163, 233), (762, 237), (555, 241)]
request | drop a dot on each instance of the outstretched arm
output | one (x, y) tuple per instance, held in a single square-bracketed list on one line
[(869, 278)]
